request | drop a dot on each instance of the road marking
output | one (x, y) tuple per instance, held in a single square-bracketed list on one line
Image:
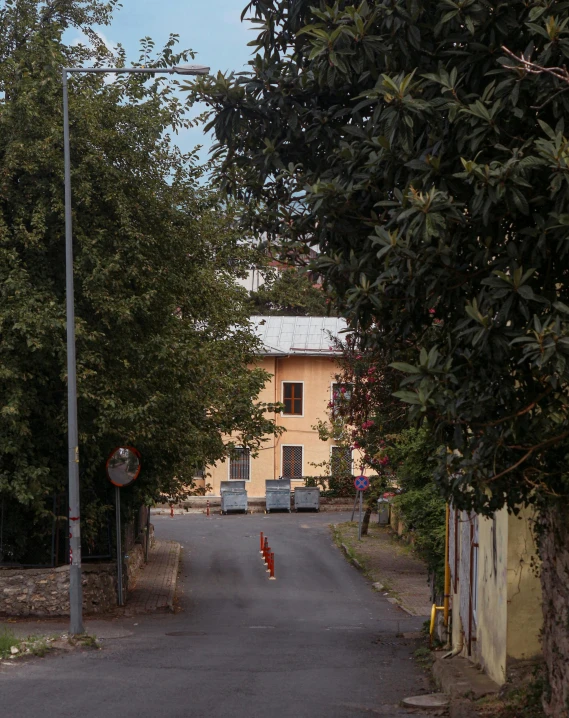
[(261, 626)]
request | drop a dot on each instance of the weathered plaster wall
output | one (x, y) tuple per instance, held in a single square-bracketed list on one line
[(45, 591), (524, 589), (492, 609)]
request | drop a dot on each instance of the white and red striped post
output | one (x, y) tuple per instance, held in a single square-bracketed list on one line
[(272, 568)]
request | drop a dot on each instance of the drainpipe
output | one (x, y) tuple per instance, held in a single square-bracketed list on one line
[(457, 649), (276, 442)]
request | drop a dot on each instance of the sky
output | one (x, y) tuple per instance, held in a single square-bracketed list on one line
[(211, 28)]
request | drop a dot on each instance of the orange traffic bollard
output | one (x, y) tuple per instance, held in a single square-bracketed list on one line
[(272, 567), (266, 550), (261, 551), (171, 511), (207, 508)]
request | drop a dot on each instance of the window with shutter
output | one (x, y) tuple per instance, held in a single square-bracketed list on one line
[(340, 461), (292, 462), (341, 392), (240, 464)]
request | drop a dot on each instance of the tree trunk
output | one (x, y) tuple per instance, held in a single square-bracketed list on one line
[(365, 522), (554, 553)]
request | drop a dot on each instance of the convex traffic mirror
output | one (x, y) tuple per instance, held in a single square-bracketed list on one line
[(123, 466)]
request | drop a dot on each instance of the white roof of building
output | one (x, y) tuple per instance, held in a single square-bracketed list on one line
[(298, 335)]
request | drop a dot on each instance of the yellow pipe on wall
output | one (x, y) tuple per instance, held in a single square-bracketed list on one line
[(446, 601), (445, 608)]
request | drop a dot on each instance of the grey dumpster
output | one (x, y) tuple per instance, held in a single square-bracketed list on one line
[(277, 495), (306, 498), (233, 496)]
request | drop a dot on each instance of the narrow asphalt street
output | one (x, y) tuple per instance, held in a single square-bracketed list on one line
[(318, 641)]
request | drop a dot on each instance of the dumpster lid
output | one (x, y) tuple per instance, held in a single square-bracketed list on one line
[(232, 486), (277, 484), (306, 488)]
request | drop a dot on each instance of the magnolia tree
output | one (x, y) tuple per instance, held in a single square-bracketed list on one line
[(428, 167)]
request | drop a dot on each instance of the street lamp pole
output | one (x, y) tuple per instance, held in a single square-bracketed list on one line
[(75, 586)]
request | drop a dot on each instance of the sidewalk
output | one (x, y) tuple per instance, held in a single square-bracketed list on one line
[(389, 563), (156, 582)]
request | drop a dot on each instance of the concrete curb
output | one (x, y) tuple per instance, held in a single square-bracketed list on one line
[(165, 511), (460, 678), (174, 583), (464, 683), (350, 558), (155, 588), (357, 564)]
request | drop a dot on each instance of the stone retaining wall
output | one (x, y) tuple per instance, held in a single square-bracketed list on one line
[(45, 591), (133, 563)]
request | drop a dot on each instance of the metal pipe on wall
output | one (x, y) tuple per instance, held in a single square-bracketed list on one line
[(446, 601)]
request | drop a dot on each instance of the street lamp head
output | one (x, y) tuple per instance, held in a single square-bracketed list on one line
[(190, 70)]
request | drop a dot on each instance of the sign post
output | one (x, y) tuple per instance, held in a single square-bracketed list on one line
[(123, 468), (362, 484)]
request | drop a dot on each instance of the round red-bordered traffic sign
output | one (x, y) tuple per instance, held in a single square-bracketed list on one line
[(361, 483)]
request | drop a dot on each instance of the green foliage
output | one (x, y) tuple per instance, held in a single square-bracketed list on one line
[(7, 640), (411, 457), (291, 292), (334, 486), (429, 170), (422, 511), (163, 339)]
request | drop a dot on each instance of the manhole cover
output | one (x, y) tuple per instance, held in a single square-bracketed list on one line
[(185, 633)]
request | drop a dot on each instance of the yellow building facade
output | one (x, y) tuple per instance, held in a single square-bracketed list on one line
[(299, 354)]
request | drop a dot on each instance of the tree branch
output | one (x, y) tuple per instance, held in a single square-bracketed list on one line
[(561, 73), (521, 412), (528, 453)]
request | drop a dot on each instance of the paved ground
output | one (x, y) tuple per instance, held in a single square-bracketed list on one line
[(156, 583), (390, 561), (316, 642)]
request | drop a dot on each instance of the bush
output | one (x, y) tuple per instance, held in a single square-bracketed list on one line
[(420, 506), (341, 486), (422, 512)]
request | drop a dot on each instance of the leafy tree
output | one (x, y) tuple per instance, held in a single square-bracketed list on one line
[(430, 168), (291, 292), (163, 339)]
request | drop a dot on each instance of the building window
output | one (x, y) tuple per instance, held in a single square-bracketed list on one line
[(341, 390), (341, 394), (292, 462), (292, 398), (340, 461), (240, 464)]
